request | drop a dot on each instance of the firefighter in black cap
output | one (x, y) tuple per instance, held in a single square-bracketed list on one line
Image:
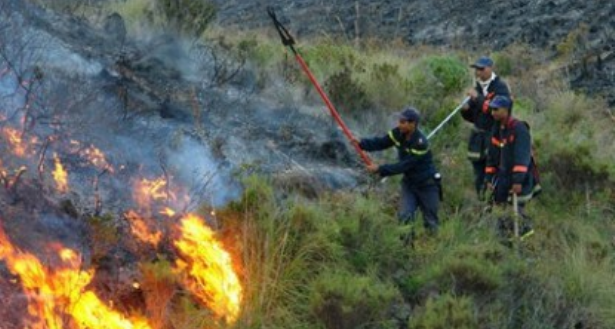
[(420, 187)]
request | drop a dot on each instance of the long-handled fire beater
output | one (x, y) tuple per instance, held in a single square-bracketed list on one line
[(289, 42)]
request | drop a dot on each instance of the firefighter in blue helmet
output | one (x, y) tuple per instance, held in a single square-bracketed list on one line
[(510, 167), (420, 187), (488, 85)]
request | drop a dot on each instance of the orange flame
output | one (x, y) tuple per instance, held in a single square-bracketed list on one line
[(60, 175), (92, 154), (147, 191), (97, 158), (141, 230), (54, 293), (207, 269), (19, 146)]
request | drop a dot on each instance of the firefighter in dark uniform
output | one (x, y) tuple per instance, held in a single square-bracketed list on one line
[(510, 166), (488, 85), (420, 187)]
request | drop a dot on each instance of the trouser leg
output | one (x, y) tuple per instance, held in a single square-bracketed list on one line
[(429, 200), (408, 204), (407, 211), (505, 223), (479, 177)]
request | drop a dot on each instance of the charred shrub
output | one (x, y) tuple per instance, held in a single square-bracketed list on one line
[(346, 93)]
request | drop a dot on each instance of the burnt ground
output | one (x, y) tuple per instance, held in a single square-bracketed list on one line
[(474, 25)]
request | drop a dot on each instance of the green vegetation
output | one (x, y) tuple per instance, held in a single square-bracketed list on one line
[(187, 18), (337, 262)]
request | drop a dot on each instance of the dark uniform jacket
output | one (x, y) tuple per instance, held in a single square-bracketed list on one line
[(415, 158), (509, 160), (479, 115)]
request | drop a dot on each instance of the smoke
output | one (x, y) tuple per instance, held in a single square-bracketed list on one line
[(10, 98), (197, 169), (79, 112)]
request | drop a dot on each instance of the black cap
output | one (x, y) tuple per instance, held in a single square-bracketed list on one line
[(410, 114)]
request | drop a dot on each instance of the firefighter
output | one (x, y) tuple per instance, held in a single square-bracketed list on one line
[(488, 85), (420, 186), (510, 166)]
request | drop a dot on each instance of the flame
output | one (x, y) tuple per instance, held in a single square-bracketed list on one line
[(20, 147), (68, 255), (60, 175), (55, 293), (147, 191), (168, 212), (58, 297), (97, 158), (207, 269), (92, 154), (140, 229)]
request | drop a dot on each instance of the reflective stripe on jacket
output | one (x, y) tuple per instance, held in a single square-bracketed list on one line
[(509, 155), (415, 160)]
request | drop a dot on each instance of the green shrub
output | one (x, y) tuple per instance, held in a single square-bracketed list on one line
[(326, 58), (423, 90), (369, 236), (432, 82), (188, 17), (451, 75), (574, 168), (388, 89), (444, 312), (185, 17), (257, 194), (467, 269), (515, 61), (341, 299)]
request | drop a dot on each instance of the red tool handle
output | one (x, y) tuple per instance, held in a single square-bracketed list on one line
[(333, 111), (287, 40)]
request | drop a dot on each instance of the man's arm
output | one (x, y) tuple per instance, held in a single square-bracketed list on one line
[(376, 143), (417, 153), (522, 153), (492, 160)]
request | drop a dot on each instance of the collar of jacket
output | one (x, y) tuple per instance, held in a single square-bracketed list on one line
[(485, 84)]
